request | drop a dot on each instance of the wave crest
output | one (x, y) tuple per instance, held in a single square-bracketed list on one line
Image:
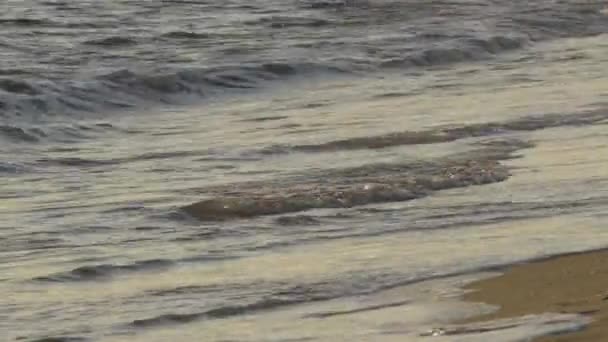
[(96, 272), (125, 88), (358, 186)]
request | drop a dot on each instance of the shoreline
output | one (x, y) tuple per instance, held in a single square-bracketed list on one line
[(575, 283)]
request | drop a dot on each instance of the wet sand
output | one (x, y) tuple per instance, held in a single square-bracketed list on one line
[(576, 283)]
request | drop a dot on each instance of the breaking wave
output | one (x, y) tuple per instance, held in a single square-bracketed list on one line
[(460, 51), (316, 37), (124, 88), (64, 132)]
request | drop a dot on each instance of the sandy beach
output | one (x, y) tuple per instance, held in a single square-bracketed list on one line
[(574, 284)]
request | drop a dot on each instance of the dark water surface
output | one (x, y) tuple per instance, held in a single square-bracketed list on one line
[(292, 170)]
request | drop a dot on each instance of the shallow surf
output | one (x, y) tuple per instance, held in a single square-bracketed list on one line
[(340, 179)]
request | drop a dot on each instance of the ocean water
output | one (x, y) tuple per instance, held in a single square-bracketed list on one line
[(295, 170)]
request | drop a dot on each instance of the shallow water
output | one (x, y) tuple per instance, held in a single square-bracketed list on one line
[(326, 173)]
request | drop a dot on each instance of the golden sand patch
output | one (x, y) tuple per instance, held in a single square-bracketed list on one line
[(576, 283)]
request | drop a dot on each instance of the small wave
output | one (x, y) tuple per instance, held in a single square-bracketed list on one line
[(112, 41), (56, 132), (359, 186), (124, 88), (12, 72), (463, 51), (18, 134), (283, 294), (499, 43), (60, 339), (393, 94), (88, 273), (406, 35), (185, 35), (297, 220), (8, 167), (167, 319), (84, 162), (25, 22), (285, 22), (232, 310), (17, 87), (266, 118), (448, 134), (321, 4), (359, 310), (75, 161), (208, 233), (289, 294), (189, 290)]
